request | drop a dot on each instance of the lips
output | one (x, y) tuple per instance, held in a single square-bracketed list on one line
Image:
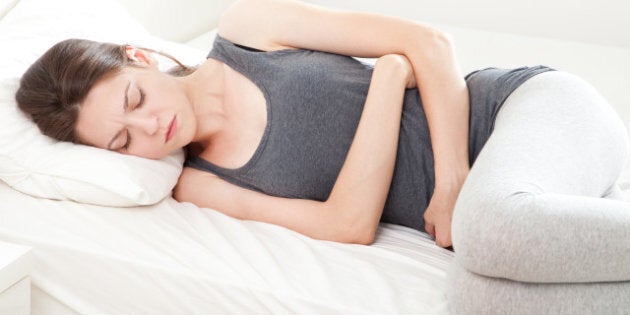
[(172, 127)]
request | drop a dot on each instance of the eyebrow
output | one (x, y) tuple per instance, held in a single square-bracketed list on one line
[(125, 106)]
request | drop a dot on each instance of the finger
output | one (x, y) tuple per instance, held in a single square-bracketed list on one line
[(443, 237), (442, 242), (430, 228)]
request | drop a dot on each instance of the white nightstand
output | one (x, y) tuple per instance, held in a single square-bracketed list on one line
[(16, 263)]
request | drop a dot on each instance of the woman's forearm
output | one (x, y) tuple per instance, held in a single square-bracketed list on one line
[(361, 189), (445, 101)]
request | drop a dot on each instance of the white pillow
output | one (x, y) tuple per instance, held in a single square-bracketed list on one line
[(39, 166)]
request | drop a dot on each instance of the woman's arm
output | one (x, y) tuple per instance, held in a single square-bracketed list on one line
[(441, 85), (353, 209), (445, 101)]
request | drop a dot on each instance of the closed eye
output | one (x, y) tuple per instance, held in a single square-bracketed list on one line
[(128, 142), (125, 147), (141, 101)]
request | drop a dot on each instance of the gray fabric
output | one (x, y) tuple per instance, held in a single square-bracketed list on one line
[(469, 293), (314, 103), (532, 208)]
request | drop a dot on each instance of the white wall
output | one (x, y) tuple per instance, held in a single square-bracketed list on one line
[(177, 20), (603, 22)]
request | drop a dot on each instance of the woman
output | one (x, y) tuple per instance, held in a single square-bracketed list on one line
[(281, 127)]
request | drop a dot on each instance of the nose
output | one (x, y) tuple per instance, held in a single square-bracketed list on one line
[(146, 124)]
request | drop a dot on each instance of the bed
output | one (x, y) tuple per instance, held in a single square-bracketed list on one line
[(173, 258), (105, 245)]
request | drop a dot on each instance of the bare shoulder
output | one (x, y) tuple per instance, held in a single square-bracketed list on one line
[(189, 183), (208, 190)]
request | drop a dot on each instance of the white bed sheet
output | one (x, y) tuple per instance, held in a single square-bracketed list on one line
[(178, 258)]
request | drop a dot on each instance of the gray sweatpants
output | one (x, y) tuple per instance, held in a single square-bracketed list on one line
[(541, 202)]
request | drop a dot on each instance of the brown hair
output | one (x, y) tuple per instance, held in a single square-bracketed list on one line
[(53, 87)]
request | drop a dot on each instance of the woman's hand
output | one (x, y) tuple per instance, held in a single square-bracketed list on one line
[(439, 213), (411, 80), (405, 67)]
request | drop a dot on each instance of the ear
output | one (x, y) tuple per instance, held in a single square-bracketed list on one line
[(141, 57)]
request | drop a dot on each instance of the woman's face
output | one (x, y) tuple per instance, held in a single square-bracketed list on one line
[(139, 111)]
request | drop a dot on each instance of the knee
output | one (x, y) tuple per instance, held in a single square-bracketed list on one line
[(483, 229)]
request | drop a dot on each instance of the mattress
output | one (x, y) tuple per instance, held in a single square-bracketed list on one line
[(178, 258)]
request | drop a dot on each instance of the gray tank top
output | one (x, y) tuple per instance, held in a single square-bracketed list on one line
[(314, 103)]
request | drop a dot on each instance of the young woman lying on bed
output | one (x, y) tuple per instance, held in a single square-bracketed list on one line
[(283, 127)]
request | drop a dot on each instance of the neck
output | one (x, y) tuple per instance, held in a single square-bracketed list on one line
[(206, 92)]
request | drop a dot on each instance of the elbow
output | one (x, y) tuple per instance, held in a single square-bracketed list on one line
[(431, 44), (349, 226), (440, 40), (366, 238), (362, 231), (441, 46), (443, 39), (363, 237), (358, 230)]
